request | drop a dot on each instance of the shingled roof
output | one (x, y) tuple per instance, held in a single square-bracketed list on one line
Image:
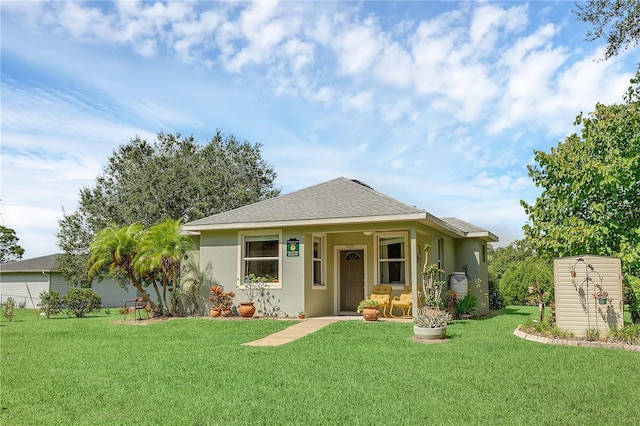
[(37, 264), (339, 200)]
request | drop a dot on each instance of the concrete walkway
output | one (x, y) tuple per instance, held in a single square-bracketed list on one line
[(294, 332), (302, 329)]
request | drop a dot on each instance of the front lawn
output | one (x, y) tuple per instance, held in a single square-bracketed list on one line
[(194, 371)]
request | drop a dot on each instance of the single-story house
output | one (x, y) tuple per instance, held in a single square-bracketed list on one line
[(18, 279), (323, 248)]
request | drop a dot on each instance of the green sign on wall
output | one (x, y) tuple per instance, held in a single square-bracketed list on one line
[(293, 247)]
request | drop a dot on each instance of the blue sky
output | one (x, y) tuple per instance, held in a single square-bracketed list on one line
[(437, 104)]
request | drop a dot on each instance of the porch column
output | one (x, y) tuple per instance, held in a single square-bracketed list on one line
[(413, 262)]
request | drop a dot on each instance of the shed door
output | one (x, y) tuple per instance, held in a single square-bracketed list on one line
[(351, 279)]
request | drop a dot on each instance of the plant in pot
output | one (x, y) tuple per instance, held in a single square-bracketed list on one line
[(430, 323), (452, 302), (253, 286), (369, 309), (301, 315), (221, 302), (432, 285)]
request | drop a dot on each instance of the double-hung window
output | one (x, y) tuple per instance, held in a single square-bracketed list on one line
[(392, 259), (318, 266), (261, 257)]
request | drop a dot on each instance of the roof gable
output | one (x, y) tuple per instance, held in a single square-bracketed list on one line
[(340, 198)]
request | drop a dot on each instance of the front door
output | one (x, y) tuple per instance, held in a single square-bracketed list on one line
[(351, 279)]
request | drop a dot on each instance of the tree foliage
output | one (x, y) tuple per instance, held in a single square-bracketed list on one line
[(9, 249), (617, 20), (81, 301), (170, 178), (146, 256), (519, 276), (590, 202)]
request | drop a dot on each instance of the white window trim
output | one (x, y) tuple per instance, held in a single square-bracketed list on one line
[(265, 232), (406, 259), (323, 262), (440, 252)]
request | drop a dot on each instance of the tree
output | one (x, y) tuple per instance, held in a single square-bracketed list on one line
[(618, 19), (500, 260), (590, 202), (171, 178), (161, 250), (116, 249), (147, 257), (9, 249), (516, 280)]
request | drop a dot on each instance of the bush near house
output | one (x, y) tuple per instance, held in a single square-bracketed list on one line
[(81, 301), (50, 303), (516, 280)]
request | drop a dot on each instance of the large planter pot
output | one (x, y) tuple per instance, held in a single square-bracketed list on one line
[(214, 312), (424, 333), (370, 314), (246, 309)]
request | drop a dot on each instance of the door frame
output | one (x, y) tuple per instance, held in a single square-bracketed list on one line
[(336, 271)]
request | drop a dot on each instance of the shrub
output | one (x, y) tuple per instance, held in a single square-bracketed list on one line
[(81, 301), (632, 297), (516, 280), (50, 303), (629, 334), (495, 298), (468, 305), (7, 308), (592, 334)]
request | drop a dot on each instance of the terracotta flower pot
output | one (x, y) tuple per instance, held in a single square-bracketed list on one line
[(246, 309), (226, 312), (214, 312), (370, 313)]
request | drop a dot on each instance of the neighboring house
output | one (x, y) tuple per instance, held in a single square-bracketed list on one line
[(323, 248), (40, 274)]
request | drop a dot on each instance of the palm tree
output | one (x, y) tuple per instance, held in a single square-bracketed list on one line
[(117, 248), (161, 250)]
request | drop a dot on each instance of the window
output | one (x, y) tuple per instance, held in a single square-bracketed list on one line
[(441, 253), (318, 266), (391, 260), (261, 256), (484, 253)]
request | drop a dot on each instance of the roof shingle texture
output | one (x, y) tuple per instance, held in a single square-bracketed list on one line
[(37, 264), (338, 198)]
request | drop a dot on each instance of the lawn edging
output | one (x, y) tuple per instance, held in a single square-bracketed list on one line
[(566, 342)]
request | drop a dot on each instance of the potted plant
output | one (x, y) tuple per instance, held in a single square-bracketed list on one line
[(432, 285), (221, 302), (301, 315), (253, 285), (452, 302), (369, 309), (602, 296), (430, 323)]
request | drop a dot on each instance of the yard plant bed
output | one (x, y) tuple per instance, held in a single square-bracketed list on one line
[(88, 371)]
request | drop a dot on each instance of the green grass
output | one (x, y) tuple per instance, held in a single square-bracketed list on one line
[(195, 371)]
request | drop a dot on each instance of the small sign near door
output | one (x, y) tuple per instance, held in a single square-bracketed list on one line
[(293, 247)]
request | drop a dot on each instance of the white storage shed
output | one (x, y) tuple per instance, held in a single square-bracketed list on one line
[(588, 293)]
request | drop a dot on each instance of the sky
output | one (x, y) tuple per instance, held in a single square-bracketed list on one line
[(439, 105)]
